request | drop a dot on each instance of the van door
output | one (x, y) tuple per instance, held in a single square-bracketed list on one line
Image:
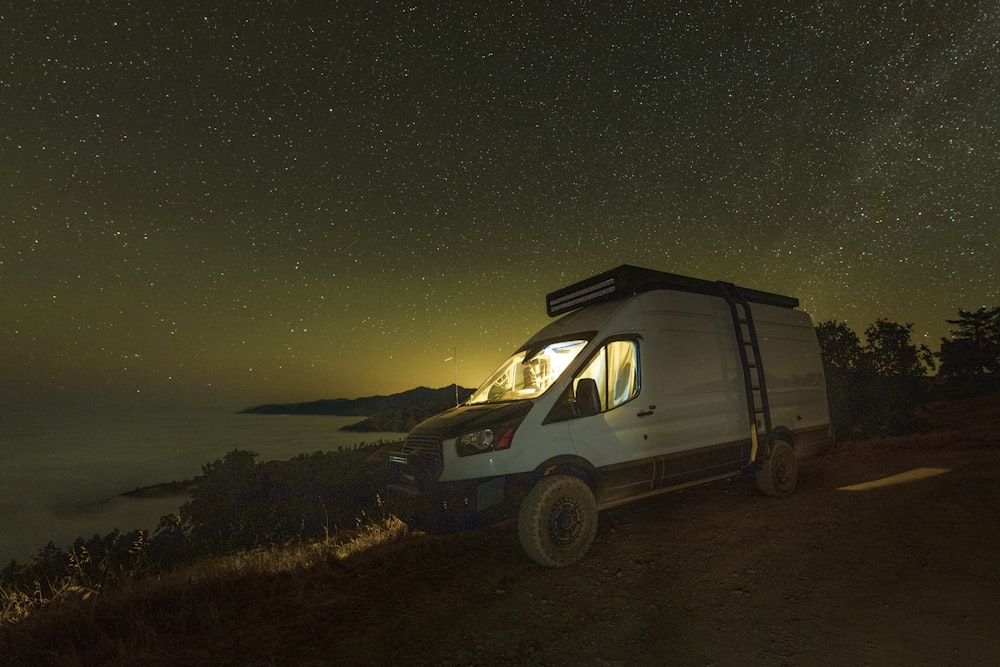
[(612, 419), (701, 422)]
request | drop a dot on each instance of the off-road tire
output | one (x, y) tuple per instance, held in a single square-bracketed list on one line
[(557, 521), (779, 472)]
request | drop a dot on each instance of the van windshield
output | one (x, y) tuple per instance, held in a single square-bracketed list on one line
[(528, 373)]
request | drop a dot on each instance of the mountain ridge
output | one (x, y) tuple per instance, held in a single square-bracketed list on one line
[(419, 399)]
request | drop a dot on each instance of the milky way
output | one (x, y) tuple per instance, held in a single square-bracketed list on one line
[(285, 202)]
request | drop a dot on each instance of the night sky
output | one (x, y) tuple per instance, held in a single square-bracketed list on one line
[(288, 201)]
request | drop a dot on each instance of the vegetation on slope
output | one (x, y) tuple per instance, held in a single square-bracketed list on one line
[(239, 503)]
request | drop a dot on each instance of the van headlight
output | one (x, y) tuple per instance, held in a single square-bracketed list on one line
[(483, 440)]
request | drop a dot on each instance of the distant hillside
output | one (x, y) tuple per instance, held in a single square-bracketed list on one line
[(420, 400)]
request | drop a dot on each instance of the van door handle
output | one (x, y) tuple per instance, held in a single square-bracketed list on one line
[(646, 413)]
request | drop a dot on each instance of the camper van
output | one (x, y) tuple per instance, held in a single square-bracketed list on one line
[(648, 382)]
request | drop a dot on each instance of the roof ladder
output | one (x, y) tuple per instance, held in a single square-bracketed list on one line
[(758, 408)]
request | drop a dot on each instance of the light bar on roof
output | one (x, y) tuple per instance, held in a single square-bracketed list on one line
[(627, 280), (567, 302)]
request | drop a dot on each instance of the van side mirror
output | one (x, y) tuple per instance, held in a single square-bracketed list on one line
[(588, 399)]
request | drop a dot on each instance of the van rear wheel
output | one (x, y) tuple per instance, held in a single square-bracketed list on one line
[(779, 472), (558, 520)]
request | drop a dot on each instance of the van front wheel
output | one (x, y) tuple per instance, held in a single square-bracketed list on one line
[(558, 520), (779, 473)]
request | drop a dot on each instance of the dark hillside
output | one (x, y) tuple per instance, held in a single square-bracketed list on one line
[(418, 399)]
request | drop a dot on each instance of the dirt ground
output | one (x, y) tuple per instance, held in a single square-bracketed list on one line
[(851, 569), (886, 574)]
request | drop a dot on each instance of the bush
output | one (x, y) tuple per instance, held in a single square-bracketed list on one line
[(874, 388), (239, 503)]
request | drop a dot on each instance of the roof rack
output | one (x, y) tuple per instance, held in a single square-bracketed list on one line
[(626, 280)]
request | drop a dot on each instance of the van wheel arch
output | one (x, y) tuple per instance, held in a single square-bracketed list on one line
[(784, 433), (574, 466)]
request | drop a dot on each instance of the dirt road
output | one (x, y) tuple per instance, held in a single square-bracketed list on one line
[(843, 572)]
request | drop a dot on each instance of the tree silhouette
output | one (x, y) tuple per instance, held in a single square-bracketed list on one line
[(874, 388), (893, 355), (839, 345), (843, 360), (970, 360)]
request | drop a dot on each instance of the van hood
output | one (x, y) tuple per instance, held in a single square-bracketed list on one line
[(464, 418)]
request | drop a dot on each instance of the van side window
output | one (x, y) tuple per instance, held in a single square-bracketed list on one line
[(615, 371)]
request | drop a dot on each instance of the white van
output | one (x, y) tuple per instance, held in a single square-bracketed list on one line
[(649, 382)]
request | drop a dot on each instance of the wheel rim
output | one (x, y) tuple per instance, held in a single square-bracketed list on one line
[(566, 521), (783, 470)]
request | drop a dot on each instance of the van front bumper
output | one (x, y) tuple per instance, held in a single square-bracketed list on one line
[(459, 505)]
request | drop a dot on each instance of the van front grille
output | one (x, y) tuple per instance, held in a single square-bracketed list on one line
[(426, 460)]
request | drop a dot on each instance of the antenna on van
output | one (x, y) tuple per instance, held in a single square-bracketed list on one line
[(454, 356)]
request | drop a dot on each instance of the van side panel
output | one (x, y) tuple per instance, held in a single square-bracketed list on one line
[(796, 384), (693, 395), (689, 419), (694, 365)]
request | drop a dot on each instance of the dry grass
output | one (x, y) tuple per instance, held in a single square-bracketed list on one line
[(136, 619)]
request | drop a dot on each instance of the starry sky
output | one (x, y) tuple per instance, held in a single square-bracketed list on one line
[(238, 203)]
